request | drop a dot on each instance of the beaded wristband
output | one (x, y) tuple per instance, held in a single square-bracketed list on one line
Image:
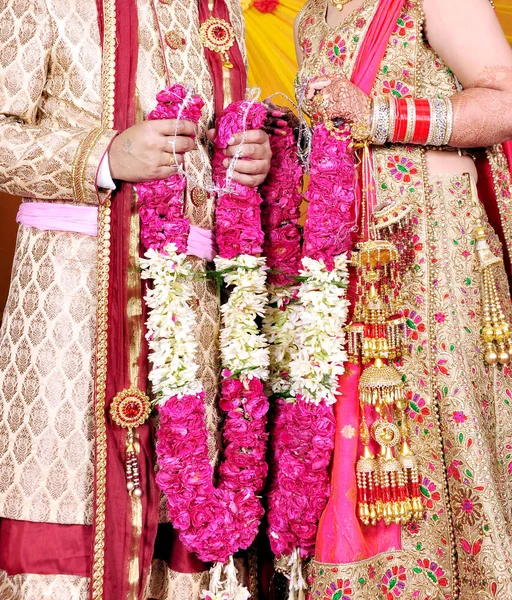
[(440, 123)]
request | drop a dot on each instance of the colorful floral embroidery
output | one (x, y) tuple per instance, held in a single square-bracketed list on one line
[(417, 410), (337, 51), (360, 22), (393, 582), (459, 417), (503, 181), (429, 491), (432, 570), (405, 25), (414, 324), (395, 88), (466, 508), (413, 528), (402, 168), (339, 590), (306, 46)]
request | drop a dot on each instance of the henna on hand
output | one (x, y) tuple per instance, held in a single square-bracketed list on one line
[(483, 112), (346, 101)]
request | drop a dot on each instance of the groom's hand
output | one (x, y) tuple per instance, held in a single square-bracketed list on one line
[(151, 150), (254, 163)]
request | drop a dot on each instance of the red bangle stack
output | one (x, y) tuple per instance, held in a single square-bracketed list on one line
[(402, 119), (422, 120), (422, 127)]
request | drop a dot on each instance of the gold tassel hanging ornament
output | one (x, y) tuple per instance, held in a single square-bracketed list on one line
[(495, 329), (388, 485)]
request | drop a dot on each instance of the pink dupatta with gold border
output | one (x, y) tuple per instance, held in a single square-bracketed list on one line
[(341, 537)]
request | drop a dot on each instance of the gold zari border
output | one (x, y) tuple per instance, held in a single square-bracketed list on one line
[(80, 162), (99, 409), (108, 96)]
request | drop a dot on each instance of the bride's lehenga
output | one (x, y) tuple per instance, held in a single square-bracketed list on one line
[(460, 412)]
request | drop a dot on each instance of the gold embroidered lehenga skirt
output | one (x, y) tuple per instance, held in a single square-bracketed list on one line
[(460, 419)]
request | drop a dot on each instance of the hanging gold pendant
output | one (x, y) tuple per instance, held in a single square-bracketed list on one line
[(130, 409), (218, 36), (339, 4), (388, 485)]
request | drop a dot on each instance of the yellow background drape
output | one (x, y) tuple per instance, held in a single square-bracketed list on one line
[(271, 52)]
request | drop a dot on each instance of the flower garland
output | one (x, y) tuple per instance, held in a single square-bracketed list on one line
[(306, 331), (213, 521)]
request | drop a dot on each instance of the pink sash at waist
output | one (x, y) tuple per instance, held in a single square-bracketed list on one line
[(51, 216)]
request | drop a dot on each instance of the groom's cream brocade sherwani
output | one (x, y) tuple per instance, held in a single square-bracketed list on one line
[(51, 103)]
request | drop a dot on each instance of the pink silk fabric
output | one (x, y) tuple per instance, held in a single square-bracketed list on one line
[(341, 537), (51, 216)]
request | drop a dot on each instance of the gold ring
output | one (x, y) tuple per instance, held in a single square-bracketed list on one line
[(172, 161)]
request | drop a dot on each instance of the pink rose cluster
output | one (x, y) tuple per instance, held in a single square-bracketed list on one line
[(238, 222), (331, 195), (161, 201), (214, 522), (302, 441), (281, 210)]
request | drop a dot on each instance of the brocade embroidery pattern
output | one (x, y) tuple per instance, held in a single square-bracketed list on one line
[(48, 49), (166, 584), (46, 380), (331, 49), (50, 587), (503, 190)]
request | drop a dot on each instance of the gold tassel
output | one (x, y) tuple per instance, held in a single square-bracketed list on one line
[(367, 478), (380, 385), (495, 330)]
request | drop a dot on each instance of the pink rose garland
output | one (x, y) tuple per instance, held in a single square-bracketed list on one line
[(329, 229), (213, 521), (281, 210), (161, 201), (302, 433), (238, 221)]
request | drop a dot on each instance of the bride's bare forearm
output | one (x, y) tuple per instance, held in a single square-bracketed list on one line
[(483, 113)]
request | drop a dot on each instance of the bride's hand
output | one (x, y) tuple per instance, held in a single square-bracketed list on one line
[(342, 99), (279, 117)]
